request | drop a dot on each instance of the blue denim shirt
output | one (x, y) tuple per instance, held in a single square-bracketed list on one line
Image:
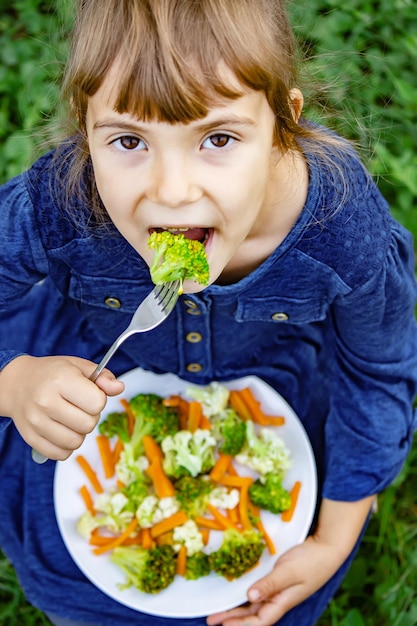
[(327, 320)]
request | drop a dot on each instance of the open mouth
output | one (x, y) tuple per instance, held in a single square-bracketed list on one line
[(196, 233)]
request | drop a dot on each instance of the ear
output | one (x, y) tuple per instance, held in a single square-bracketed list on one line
[(296, 103)]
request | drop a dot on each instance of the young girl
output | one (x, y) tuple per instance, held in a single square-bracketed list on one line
[(186, 116)]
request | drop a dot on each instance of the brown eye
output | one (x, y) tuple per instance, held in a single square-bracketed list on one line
[(129, 143), (220, 141)]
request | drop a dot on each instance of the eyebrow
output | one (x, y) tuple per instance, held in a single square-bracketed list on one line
[(231, 120)]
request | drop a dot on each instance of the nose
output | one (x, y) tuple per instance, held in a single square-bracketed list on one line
[(173, 182)]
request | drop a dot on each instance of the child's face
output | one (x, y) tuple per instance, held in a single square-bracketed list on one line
[(210, 179)]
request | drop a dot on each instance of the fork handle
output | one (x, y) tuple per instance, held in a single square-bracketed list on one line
[(106, 358)]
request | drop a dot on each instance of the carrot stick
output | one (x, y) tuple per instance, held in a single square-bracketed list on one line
[(220, 518), (208, 523), (99, 540), (269, 543), (220, 467), (117, 450), (231, 470), (287, 515), (183, 414), (244, 508), (133, 541), (194, 415), (88, 500), (177, 519), (235, 481), (233, 515), (90, 473), (106, 455), (163, 485), (173, 401), (205, 423), (118, 540), (257, 414), (205, 535), (131, 418), (146, 538), (182, 560), (165, 539), (152, 449), (236, 402)]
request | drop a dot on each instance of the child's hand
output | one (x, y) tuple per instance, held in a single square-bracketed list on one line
[(52, 402), (302, 570)]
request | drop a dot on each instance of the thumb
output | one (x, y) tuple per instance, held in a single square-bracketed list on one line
[(269, 585), (108, 383)]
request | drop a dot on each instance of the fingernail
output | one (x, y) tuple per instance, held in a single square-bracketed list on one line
[(254, 595)]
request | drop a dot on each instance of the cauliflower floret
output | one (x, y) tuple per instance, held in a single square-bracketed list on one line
[(188, 535), (86, 524), (154, 509), (187, 452), (110, 503), (223, 498), (128, 470), (213, 398), (266, 453)]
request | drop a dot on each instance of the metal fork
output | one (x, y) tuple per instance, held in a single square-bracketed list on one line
[(151, 312)]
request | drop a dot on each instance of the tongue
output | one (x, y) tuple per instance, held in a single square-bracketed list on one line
[(192, 233)]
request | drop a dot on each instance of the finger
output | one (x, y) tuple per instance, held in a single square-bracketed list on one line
[(286, 573), (51, 451), (228, 617), (108, 383)]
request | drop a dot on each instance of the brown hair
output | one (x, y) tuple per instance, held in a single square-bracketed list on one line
[(171, 55)]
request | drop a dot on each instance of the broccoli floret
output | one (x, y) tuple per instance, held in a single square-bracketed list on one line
[(239, 552), (153, 418), (230, 432), (177, 258), (268, 493), (115, 424), (266, 453), (136, 492), (150, 571), (192, 494), (213, 398), (198, 565), (188, 453)]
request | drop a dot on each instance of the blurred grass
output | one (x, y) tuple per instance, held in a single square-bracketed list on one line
[(365, 53)]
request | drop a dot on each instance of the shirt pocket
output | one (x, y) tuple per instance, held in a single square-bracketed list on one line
[(107, 294), (281, 310)]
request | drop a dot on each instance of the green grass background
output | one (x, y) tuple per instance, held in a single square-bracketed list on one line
[(363, 58)]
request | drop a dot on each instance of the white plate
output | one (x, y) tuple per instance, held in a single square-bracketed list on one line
[(212, 593)]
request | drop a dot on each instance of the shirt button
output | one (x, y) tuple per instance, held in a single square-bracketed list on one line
[(112, 303), (280, 317), (193, 337), (192, 308), (194, 367)]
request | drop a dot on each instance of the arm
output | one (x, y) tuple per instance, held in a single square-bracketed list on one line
[(52, 402), (304, 569)]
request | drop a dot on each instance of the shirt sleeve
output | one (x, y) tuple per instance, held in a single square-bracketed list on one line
[(369, 430), (23, 261)]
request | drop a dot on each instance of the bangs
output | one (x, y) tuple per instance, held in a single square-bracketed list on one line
[(171, 55)]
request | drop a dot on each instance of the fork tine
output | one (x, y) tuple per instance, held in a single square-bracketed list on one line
[(170, 297)]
